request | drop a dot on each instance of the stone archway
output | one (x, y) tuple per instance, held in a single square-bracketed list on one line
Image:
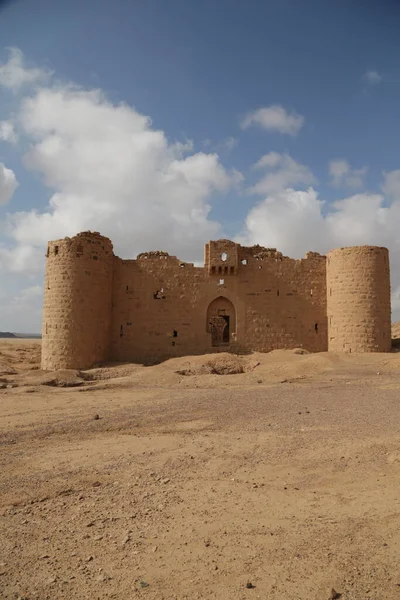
[(221, 321)]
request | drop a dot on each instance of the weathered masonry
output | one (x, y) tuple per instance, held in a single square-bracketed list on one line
[(99, 307)]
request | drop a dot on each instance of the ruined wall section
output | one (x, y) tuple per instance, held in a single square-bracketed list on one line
[(157, 308), (77, 302), (358, 294), (161, 306), (285, 299)]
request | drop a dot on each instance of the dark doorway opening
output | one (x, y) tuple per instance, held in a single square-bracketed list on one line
[(221, 321), (225, 332)]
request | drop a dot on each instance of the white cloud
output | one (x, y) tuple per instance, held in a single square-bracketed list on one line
[(281, 172), (8, 184), (298, 221), (342, 174), (391, 185), (7, 132), (15, 73), (21, 310), (373, 77), (112, 172), (274, 118)]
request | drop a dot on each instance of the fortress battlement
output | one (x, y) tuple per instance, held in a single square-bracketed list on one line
[(99, 307)]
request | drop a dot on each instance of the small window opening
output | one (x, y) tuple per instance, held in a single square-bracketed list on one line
[(182, 265), (129, 323), (277, 292), (172, 343), (232, 270), (48, 252), (221, 282), (226, 270), (213, 270), (121, 331), (316, 327), (224, 256), (174, 333), (244, 261), (56, 250), (95, 257), (127, 288), (219, 270)]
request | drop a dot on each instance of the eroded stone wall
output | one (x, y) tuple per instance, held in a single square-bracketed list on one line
[(358, 299), (161, 305), (77, 302)]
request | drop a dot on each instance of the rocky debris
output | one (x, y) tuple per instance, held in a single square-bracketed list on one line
[(250, 586), (223, 364), (334, 595)]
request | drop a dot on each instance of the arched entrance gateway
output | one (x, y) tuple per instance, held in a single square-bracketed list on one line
[(221, 321)]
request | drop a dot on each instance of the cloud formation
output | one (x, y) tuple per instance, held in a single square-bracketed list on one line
[(281, 172), (7, 132), (15, 73), (373, 77), (274, 118), (8, 184), (110, 171), (343, 175)]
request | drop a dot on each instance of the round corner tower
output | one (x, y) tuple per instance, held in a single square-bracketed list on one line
[(77, 302), (358, 299)]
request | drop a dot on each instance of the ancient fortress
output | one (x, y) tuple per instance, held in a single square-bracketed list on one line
[(99, 307)]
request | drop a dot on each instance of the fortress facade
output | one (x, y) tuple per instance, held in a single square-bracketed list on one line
[(99, 307)]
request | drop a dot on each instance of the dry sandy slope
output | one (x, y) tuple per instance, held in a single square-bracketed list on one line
[(285, 476)]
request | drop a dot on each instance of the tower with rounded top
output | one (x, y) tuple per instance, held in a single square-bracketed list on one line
[(358, 299), (77, 302)]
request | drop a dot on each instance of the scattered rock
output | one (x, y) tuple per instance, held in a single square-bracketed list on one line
[(250, 586), (166, 480), (334, 594), (96, 417), (144, 584)]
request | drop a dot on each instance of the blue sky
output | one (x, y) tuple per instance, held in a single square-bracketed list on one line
[(313, 86)]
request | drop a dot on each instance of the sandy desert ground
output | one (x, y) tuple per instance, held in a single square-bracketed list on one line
[(174, 482)]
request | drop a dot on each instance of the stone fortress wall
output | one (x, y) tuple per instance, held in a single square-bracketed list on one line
[(99, 307)]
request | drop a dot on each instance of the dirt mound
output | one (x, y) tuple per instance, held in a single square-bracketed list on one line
[(223, 364), (6, 369), (61, 378)]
